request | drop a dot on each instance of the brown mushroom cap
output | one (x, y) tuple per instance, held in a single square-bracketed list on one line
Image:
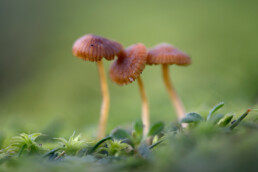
[(94, 48), (167, 54), (129, 65)]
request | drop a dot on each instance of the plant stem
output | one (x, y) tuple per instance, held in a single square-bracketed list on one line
[(59, 156), (105, 101), (145, 108), (173, 95)]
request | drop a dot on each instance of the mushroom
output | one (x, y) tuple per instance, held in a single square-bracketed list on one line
[(93, 48), (127, 68), (166, 54)]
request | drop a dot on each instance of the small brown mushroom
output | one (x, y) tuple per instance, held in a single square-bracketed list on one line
[(94, 48), (127, 68), (166, 54)]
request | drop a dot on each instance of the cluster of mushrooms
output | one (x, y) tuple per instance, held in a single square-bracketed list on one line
[(127, 68)]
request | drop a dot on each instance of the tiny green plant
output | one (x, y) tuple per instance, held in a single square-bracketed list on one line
[(136, 137), (115, 148), (73, 145), (123, 145), (219, 120), (24, 143)]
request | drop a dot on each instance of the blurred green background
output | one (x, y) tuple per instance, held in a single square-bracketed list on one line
[(42, 85)]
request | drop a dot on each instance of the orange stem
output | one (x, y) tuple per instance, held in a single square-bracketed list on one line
[(105, 102), (145, 108), (180, 110)]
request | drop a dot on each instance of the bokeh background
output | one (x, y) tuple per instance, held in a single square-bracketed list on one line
[(43, 87)]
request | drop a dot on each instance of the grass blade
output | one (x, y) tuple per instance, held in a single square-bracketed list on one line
[(239, 120), (21, 150), (155, 144), (98, 144), (51, 152), (214, 109)]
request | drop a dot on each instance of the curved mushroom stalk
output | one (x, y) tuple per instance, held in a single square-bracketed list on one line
[(105, 101), (180, 110), (126, 69), (94, 48), (145, 108)]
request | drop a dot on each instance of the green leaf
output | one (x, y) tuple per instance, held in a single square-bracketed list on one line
[(192, 117), (232, 126), (120, 134), (21, 150), (99, 143), (214, 109), (138, 127), (155, 144), (34, 136), (51, 152), (215, 118), (156, 128), (225, 121)]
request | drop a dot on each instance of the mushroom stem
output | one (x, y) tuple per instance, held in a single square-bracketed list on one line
[(105, 101), (145, 108), (180, 110)]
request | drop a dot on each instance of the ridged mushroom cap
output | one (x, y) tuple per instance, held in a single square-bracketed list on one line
[(167, 54), (94, 48), (129, 65)]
